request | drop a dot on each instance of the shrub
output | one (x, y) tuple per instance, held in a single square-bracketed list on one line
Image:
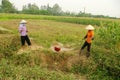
[(9, 44)]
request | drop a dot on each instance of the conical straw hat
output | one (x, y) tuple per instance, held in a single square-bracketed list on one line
[(90, 27), (23, 21)]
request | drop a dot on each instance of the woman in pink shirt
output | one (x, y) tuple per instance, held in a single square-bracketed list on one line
[(23, 31)]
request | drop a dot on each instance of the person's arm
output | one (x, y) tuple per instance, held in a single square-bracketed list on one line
[(85, 36), (26, 30), (21, 29), (93, 38)]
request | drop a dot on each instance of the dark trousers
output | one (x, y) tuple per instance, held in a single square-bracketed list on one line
[(25, 38), (88, 46)]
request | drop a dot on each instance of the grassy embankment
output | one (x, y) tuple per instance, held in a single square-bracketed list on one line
[(43, 64)]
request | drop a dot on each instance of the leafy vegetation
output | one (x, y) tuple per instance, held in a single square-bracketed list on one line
[(7, 7), (43, 64), (77, 20)]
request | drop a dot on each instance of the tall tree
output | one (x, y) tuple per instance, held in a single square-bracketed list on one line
[(49, 9), (43, 7), (56, 10), (33, 7), (30, 9), (7, 7)]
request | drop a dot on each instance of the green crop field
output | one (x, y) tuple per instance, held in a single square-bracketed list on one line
[(39, 62)]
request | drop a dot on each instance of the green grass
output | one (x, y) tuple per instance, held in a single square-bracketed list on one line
[(77, 20), (9, 71), (39, 64)]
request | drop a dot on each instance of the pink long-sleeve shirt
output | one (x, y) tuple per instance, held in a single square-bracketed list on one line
[(23, 29)]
